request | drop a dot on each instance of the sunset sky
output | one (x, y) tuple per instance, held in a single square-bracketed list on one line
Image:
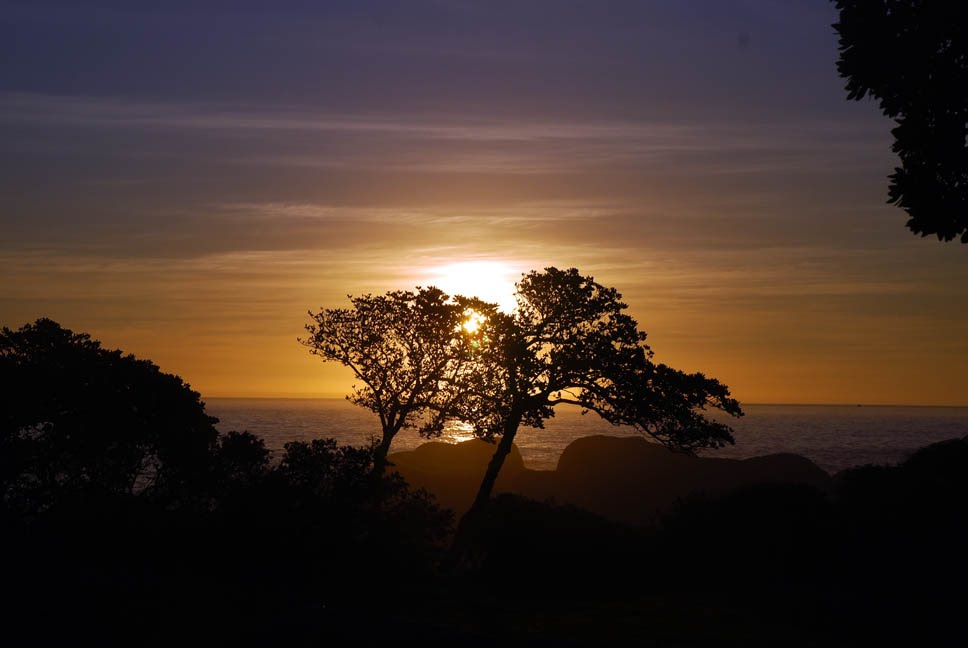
[(185, 183)]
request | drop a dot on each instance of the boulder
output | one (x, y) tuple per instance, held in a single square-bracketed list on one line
[(453, 471), (626, 479)]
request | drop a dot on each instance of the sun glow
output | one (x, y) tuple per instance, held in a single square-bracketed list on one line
[(492, 281), (472, 322)]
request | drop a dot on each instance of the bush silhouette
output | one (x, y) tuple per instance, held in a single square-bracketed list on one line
[(77, 417)]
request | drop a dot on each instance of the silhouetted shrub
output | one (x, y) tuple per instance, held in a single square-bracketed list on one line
[(240, 460), (900, 550), (76, 417), (548, 549), (127, 517), (328, 494), (942, 467), (766, 535)]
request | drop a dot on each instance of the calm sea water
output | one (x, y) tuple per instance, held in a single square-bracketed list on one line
[(835, 437)]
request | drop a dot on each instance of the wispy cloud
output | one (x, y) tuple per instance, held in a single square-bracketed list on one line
[(443, 143), (516, 214)]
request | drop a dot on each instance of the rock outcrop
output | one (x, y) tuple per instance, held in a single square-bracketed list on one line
[(626, 479)]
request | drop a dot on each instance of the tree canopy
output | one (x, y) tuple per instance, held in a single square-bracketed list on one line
[(912, 56), (570, 341), (426, 357), (76, 416), (403, 347)]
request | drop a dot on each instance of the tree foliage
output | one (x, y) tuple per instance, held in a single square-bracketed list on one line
[(570, 341), (76, 416), (339, 479), (565, 342), (671, 407), (912, 56), (402, 347)]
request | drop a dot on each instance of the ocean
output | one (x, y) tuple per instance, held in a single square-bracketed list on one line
[(834, 436)]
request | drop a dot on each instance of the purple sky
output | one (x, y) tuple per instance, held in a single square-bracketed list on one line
[(184, 182)]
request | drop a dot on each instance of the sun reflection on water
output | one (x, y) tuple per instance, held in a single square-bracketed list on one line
[(457, 432)]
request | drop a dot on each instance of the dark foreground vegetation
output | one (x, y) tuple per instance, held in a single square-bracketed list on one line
[(127, 519)]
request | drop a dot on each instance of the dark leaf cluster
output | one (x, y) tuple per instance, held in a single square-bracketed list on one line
[(571, 342), (76, 416), (912, 56), (401, 347)]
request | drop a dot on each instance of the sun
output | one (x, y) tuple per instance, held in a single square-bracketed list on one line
[(472, 321), (491, 281)]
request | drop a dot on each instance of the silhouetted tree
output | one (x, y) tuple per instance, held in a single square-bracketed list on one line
[(912, 55), (570, 341), (670, 406), (240, 459), (77, 417), (403, 347), (334, 486)]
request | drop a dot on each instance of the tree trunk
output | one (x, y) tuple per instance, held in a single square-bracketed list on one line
[(494, 466), (461, 554), (380, 457)]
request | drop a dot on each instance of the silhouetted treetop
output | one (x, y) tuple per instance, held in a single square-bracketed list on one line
[(571, 341), (403, 347), (76, 416), (912, 56), (671, 407)]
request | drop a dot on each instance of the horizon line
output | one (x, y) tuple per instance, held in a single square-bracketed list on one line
[(757, 404)]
